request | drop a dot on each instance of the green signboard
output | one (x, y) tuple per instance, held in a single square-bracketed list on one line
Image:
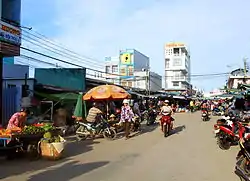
[(66, 78)]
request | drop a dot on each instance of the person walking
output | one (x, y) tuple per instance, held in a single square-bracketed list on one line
[(126, 117)]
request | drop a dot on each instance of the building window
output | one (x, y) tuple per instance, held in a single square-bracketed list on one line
[(177, 62), (11, 85), (108, 70), (130, 84), (177, 76), (123, 71), (130, 71), (176, 84), (167, 63), (114, 68), (124, 83)]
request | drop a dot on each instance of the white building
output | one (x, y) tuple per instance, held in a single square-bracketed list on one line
[(112, 66), (120, 69), (147, 80), (237, 77), (177, 67)]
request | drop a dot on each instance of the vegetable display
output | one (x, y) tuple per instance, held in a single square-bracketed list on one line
[(48, 138), (34, 129)]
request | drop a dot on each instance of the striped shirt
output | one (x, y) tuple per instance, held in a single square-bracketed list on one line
[(92, 114)]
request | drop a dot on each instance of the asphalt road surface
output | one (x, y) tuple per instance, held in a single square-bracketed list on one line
[(190, 154)]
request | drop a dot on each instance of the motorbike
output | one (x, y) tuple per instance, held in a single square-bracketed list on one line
[(204, 116), (136, 124), (166, 123), (145, 116), (228, 132), (152, 115), (102, 127), (242, 167), (217, 112)]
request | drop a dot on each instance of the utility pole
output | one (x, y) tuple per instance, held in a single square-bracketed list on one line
[(148, 81), (245, 66), (245, 69)]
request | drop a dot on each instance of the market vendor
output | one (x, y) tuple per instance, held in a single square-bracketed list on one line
[(18, 119)]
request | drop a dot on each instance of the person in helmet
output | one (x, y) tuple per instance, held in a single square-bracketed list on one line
[(126, 117), (93, 114), (167, 111)]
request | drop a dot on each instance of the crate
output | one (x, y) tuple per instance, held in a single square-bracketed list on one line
[(52, 151)]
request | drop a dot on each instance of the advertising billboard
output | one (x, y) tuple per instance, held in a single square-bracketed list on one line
[(126, 65), (10, 30)]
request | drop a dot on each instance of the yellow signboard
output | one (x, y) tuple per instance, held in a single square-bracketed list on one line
[(125, 59), (172, 45)]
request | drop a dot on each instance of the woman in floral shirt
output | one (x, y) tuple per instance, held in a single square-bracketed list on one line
[(126, 117)]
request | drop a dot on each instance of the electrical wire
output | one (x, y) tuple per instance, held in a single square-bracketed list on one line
[(58, 52), (57, 44)]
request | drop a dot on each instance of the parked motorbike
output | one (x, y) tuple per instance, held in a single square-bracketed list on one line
[(242, 167), (152, 115), (86, 130), (204, 116), (166, 122), (228, 132), (217, 112)]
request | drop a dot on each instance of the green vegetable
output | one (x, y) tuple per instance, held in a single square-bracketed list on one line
[(47, 135)]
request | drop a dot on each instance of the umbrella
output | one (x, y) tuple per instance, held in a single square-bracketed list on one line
[(80, 105), (106, 92)]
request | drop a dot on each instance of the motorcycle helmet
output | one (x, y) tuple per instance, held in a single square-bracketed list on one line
[(125, 101)]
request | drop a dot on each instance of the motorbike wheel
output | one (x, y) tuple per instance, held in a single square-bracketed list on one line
[(166, 130), (80, 136), (223, 145), (109, 133)]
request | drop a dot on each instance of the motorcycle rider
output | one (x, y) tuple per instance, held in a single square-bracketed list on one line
[(204, 107), (166, 110), (93, 115)]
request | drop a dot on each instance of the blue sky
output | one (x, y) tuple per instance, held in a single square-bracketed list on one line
[(217, 32)]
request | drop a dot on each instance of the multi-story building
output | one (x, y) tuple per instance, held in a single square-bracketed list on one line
[(177, 67), (147, 80), (237, 77), (120, 70), (112, 65)]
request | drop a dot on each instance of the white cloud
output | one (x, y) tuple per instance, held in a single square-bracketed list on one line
[(211, 28)]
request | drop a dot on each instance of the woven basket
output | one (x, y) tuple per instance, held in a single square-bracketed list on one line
[(53, 151)]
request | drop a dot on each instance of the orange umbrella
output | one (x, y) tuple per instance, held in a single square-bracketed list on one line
[(104, 92)]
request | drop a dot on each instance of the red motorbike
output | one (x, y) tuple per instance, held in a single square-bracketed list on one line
[(166, 121), (228, 134)]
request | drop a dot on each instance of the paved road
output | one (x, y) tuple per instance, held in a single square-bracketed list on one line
[(189, 154)]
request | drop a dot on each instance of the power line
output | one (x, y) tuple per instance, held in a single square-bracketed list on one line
[(57, 51), (57, 44)]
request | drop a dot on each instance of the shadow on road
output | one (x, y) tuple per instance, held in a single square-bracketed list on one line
[(145, 129), (21, 166), (178, 129), (78, 147), (67, 171)]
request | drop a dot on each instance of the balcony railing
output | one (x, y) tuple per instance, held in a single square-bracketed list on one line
[(181, 78)]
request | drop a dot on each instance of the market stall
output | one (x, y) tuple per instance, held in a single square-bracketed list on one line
[(27, 141)]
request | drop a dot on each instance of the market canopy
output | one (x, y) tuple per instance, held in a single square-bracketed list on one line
[(106, 92)]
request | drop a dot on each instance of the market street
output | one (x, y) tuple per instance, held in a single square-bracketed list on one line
[(190, 154)]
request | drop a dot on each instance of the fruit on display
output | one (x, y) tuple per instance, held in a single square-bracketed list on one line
[(9, 132)]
